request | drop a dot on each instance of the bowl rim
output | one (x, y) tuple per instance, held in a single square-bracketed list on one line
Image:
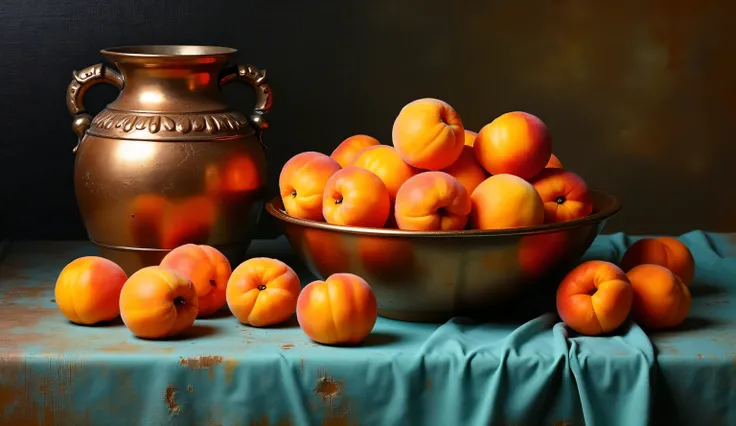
[(605, 206)]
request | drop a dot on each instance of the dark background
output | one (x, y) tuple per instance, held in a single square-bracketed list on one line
[(639, 95)]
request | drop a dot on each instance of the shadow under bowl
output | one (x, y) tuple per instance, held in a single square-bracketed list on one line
[(509, 274)]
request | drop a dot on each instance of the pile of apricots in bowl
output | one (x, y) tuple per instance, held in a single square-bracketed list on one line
[(438, 176)]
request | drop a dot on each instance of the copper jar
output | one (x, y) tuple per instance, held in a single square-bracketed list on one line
[(168, 162)]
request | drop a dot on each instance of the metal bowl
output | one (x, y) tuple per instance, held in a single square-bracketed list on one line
[(433, 276)]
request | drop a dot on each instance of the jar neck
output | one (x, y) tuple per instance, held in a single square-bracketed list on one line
[(170, 87)]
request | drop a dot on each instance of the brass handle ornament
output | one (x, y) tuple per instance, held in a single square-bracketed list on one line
[(257, 80), (82, 81)]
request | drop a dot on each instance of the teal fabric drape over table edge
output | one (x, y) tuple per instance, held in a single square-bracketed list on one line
[(456, 373)]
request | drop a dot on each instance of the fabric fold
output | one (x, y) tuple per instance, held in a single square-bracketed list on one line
[(613, 375)]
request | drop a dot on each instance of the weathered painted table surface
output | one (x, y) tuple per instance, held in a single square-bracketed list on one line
[(457, 373)]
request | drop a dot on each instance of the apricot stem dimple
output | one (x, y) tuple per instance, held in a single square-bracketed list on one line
[(213, 283), (560, 200), (180, 301), (293, 193), (338, 201), (261, 287)]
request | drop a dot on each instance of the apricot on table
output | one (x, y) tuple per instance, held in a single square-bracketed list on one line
[(663, 251), (262, 292), (594, 298), (467, 170), (516, 143), (348, 150), (505, 201), (384, 162), (432, 201), (88, 289), (157, 303), (564, 194), (341, 310), (661, 299), (428, 134), (356, 197), (207, 268), (302, 182)]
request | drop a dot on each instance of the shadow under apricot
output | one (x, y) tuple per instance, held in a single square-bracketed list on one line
[(196, 331), (380, 338), (117, 322), (222, 313), (376, 338), (704, 289), (289, 323), (690, 324), (619, 331)]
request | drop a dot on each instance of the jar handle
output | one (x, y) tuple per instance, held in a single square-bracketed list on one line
[(257, 80), (81, 82)]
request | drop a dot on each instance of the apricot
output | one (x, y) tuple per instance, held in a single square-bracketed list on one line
[(340, 310), (384, 162), (663, 251), (594, 298), (302, 182), (348, 150), (88, 290), (470, 137), (356, 197), (516, 143), (263, 292), (428, 134), (207, 268), (467, 170), (432, 201), (157, 303), (564, 194), (553, 163), (661, 300), (505, 201)]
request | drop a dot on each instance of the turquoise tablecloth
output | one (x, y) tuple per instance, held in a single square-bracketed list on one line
[(457, 373)]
